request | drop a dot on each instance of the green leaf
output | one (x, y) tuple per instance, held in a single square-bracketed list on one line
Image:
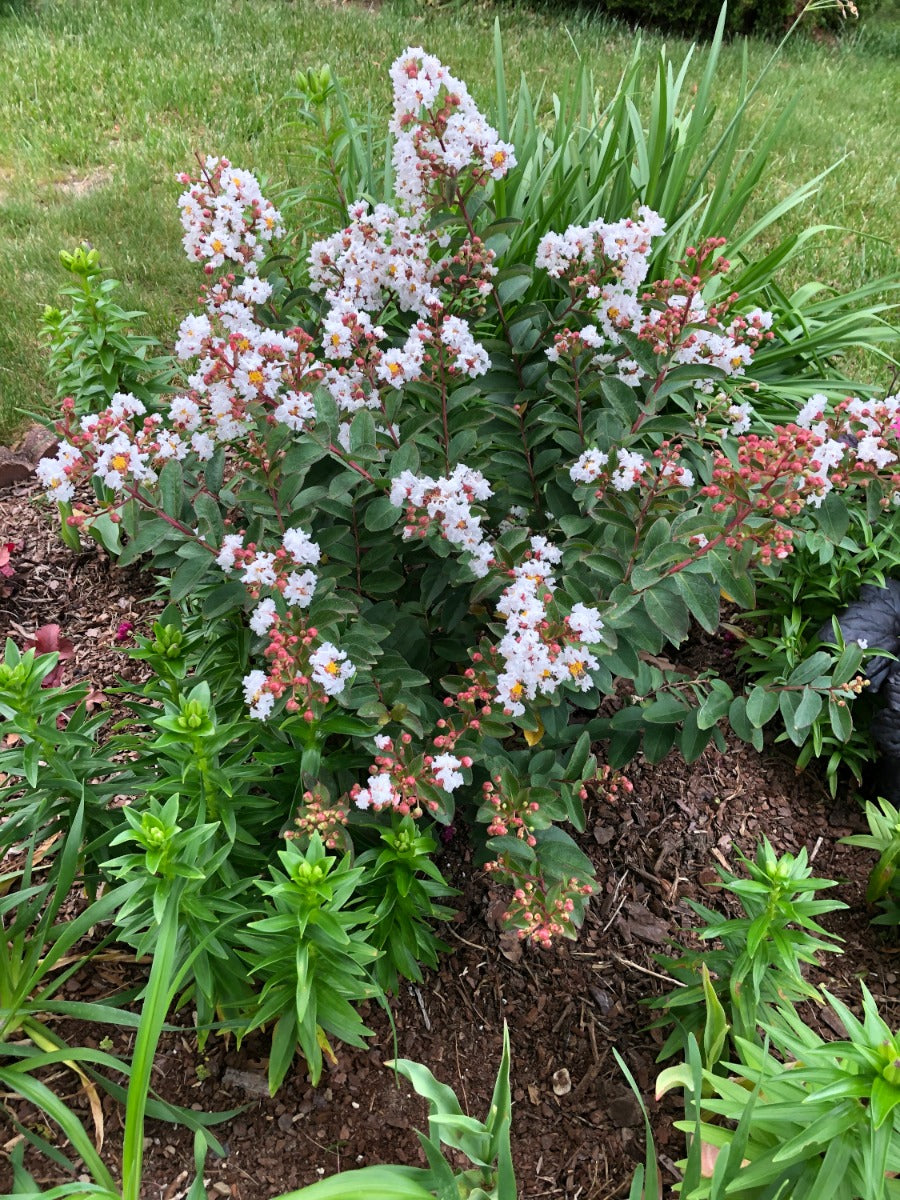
[(701, 595), (833, 517), (762, 705), (189, 575), (171, 487), (693, 740), (375, 1183), (841, 719), (381, 514), (715, 706), (666, 710), (737, 719), (668, 612), (809, 707), (811, 668)]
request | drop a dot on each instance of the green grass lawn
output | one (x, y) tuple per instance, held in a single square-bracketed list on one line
[(102, 101)]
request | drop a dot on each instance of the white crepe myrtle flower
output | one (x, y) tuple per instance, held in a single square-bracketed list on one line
[(574, 666), (263, 616), (254, 290), (257, 695), (682, 476), (125, 405), (740, 416), (230, 543), (589, 466), (445, 769), (301, 548), (379, 792), (296, 410), (629, 468), (869, 449), (192, 332), (299, 589), (260, 569), (330, 668), (51, 473), (203, 446), (585, 621)]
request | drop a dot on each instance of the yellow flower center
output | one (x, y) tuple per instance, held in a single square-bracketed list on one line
[(498, 158), (576, 669), (516, 690), (217, 245), (255, 377), (332, 668), (119, 462)]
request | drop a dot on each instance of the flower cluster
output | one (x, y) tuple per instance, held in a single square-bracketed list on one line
[(538, 912), (438, 131), (225, 216), (859, 437), (447, 501), (605, 264), (664, 470), (507, 814), (773, 478), (539, 655), (319, 815), (400, 780)]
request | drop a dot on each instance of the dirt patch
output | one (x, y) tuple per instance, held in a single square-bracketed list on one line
[(77, 183)]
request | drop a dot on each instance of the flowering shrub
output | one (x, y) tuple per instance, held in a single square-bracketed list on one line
[(572, 481)]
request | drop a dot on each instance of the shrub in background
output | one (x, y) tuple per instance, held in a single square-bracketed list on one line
[(762, 18)]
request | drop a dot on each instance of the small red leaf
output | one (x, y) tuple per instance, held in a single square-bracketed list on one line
[(47, 640)]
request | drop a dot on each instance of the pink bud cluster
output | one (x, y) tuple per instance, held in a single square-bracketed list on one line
[(318, 814), (609, 783), (776, 476), (510, 815), (539, 912)]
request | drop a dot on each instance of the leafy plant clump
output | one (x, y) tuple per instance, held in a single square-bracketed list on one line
[(425, 495)]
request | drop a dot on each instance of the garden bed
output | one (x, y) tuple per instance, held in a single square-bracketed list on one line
[(566, 1008)]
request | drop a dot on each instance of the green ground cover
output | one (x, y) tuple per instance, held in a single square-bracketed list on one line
[(102, 101)]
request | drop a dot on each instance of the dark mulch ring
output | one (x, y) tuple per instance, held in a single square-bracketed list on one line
[(567, 1008)]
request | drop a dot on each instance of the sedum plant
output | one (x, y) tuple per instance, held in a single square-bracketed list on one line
[(884, 838), (819, 1120), (94, 352), (759, 964)]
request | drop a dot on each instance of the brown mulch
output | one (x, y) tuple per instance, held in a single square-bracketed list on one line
[(566, 1008)]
